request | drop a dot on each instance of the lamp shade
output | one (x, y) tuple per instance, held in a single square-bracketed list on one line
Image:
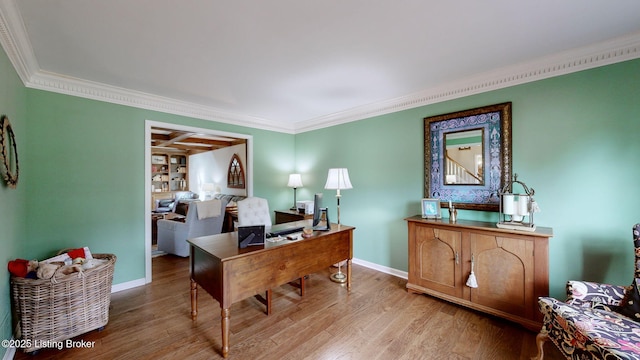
[(338, 179), (295, 181)]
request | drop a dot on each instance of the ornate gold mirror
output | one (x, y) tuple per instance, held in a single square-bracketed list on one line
[(9, 151), (467, 156)]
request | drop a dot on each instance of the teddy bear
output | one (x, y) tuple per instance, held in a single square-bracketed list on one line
[(47, 270), (57, 270)]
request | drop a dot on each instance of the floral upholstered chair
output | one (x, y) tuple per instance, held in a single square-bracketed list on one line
[(597, 321)]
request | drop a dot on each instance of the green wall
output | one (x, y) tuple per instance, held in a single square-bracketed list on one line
[(88, 188), (575, 141), (13, 220), (82, 173)]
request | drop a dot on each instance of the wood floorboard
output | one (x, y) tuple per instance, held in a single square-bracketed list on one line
[(379, 319)]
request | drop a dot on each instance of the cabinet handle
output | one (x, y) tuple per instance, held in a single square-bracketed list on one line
[(457, 258)]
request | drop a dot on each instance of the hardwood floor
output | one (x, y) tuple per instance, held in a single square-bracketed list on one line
[(378, 320)]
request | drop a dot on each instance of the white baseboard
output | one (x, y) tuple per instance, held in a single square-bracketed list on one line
[(387, 270), (10, 353), (384, 269), (128, 285)]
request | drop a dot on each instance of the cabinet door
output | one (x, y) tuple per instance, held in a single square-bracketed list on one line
[(504, 269), (434, 261)]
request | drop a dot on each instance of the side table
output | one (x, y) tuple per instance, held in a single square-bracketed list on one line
[(284, 216)]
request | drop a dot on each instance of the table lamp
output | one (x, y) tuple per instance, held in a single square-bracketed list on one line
[(338, 179), (295, 181), (207, 189)]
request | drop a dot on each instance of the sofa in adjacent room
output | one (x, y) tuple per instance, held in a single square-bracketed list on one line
[(202, 218)]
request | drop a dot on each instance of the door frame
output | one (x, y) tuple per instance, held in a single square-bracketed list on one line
[(147, 175)]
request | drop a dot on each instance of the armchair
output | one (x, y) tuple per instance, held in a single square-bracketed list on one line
[(254, 211), (597, 321), (173, 235)]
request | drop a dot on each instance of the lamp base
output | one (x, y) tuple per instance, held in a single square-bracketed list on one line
[(338, 277), (516, 226)]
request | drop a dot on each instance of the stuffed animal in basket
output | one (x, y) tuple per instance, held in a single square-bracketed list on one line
[(66, 262), (57, 270), (23, 268)]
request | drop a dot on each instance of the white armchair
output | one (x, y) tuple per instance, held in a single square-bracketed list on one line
[(254, 211), (173, 235)]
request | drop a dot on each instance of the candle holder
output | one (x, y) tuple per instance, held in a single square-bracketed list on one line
[(516, 210), (453, 214)]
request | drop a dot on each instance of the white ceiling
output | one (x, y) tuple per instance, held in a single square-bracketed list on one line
[(296, 65)]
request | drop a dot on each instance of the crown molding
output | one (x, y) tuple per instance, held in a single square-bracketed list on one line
[(14, 40), (43, 80), (601, 54)]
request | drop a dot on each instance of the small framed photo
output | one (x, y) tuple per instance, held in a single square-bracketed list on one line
[(431, 209)]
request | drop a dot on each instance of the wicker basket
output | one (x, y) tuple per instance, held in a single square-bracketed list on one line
[(46, 311)]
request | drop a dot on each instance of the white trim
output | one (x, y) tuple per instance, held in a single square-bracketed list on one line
[(384, 269), (148, 124), (606, 53), (53, 82), (128, 285), (14, 40), (10, 353)]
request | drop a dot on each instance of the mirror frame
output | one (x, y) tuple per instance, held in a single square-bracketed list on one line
[(9, 153), (496, 121)]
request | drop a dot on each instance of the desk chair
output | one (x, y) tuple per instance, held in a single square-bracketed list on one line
[(255, 211)]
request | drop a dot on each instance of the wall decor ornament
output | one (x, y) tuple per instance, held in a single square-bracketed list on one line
[(490, 127), (9, 151), (235, 175)]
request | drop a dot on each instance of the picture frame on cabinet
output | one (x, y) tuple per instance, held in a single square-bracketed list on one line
[(431, 209)]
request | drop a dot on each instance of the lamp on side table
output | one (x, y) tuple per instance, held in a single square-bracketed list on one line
[(295, 181)]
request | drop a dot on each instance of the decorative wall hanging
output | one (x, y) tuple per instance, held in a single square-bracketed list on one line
[(472, 180), (9, 151), (235, 176)]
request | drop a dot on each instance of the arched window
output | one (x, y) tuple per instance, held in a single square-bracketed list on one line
[(235, 176)]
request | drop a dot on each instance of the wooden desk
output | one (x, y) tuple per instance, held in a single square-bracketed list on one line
[(285, 216), (231, 274)]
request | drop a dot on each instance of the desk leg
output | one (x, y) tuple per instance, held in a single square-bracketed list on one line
[(224, 314), (349, 275), (194, 299)]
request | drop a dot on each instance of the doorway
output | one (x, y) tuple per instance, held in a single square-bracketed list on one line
[(150, 125)]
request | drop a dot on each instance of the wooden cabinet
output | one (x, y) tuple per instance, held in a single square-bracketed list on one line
[(511, 267)]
